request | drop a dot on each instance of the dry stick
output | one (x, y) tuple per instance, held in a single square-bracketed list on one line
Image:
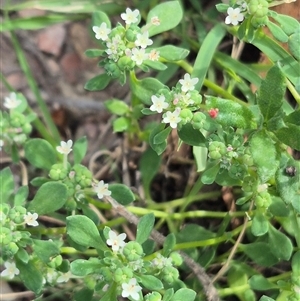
[(207, 284), (233, 250)]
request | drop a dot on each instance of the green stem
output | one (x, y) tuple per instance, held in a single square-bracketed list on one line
[(293, 91), (234, 290), (34, 87)]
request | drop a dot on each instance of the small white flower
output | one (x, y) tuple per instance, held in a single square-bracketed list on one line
[(10, 271), (130, 16), (234, 16), (1, 144), (153, 55), (101, 32), (131, 289), (64, 277), (11, 101), (139, 55), (31, 219), (101, 189), (65, 147), (160, 261), (116, 241), (172, 118), (51, 275), (262, 188), (142, 40), (188, 83), (155, 21), (158, 103)]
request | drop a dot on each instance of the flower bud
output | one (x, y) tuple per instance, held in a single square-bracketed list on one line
[(263, 200), (249, 184), (133, 251), (155, 296), (122, 275), (170, 274), (176, 258), (17, 119), (58, 172), (6, 236), (17, 213), (216, 150), (186, 116), (125, 63), (198, 120), (27, 128)]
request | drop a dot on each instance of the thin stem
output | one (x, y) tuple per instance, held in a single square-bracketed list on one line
[(293, 91), (34, 87), (234, 249)]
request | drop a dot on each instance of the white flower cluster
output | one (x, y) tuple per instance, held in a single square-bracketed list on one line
[(180, 98), (130, 42), (130, 288)]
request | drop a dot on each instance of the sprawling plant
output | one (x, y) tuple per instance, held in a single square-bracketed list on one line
[(240, 138)]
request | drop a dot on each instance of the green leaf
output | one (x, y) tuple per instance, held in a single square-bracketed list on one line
[(260, 253), (289, 135), (149, 165), (271, 93), (168, 294), (45, 249), (260, 224), (276, 53), (30, 275), (82, 267), (169, 244), (169, 14), (288, 186), (288, 24), (159, 148), (264, 155), (296, 263), (260, 283), (98, 82), (23, 255), (206, 53), (278, 207), (280, 244), (121, 193), (277, 32), (172, 53), (50, 197), (21, 195), (85, 294), (151, 283), (145, 88), (91, 53), (79, 149), (156, 65), (293, 43), (84, 232), (231, 113), (209, 175), (191, 136), (145, 227), (200, 156), (293, 118), (40, 153), (162, 136), (121, 124), (99, 17), (116, 106), (7, 184), (265, 298), (185, 294)]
